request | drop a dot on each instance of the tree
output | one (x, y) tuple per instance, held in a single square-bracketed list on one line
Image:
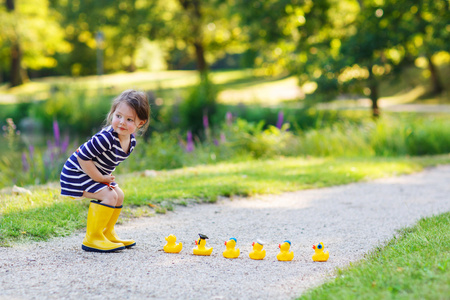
[(26, 31), (124, 24), (194, 11), (371, 48), (17, 74), (428, 24), (205, 30)]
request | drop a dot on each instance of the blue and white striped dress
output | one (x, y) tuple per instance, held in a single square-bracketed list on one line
[(105, 151)]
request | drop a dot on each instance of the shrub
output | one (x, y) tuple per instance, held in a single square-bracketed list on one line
[(200, 102)]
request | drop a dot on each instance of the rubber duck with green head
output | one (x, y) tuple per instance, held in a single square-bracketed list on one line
[(201, 249)]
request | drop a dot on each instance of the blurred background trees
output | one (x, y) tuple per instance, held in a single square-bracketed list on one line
[(211, 69), (342, 46)]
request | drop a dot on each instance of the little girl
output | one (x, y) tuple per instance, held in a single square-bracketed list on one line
[(88, 172)]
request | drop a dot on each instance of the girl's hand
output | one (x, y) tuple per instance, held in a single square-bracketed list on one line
[(108, 178)]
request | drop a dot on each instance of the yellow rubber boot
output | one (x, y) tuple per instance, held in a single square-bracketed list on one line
[(111, 234), (98, 217)]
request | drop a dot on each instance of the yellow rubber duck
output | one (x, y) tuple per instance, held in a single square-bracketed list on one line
[(171, 246), (285, 254), (258, 253), (201, 249), (320, 255), (231, 252)]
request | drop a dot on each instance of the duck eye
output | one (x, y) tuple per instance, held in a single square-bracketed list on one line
[(319, 246)]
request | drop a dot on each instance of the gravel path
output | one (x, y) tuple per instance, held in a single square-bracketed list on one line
[(350, 220)]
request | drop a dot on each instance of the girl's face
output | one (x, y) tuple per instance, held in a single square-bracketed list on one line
[(125, 121)]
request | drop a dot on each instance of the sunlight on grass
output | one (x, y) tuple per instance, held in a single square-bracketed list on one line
[(402, 98), (223, 77), (206, 183), (269, 93), (237, 86), (40, 88)]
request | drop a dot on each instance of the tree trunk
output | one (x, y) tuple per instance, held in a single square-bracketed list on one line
[(373, 86), (200, 54), (132, 66), (17, 74), (193, 8), (16, 69), (435, 82)]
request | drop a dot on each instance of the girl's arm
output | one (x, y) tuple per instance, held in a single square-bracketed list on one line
[(91, 170)]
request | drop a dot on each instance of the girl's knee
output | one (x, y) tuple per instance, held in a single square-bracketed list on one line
[(120, 196), (110, 198)]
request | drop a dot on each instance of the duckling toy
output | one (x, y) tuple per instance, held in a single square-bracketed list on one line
[(231, 252), (320, 255), (201, 249), (171, 246), (285, 254), (258, 253)]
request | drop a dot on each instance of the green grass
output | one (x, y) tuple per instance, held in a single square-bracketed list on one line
[(413, 265), (206, 183), (45, 214)]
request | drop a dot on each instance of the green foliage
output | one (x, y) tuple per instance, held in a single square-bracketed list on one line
[(413, 265), (73, 108), (301, 119), (411, 136), (200, 102), (240, 140), (33, 24), (26, 163), (251, 138)]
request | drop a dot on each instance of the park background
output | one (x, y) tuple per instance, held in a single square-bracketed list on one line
[(247, 97), (223, 78)]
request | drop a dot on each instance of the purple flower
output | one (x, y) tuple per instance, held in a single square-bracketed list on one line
[(223, 139), (280, 120), (205, 121), (56, 132), (190, 142), (25, 164), (216, 142), (65, 144), (50, 146), (52, 157), (31, 150), (229, 118)]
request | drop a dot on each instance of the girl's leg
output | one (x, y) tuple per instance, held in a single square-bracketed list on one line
[(109, 231), (120, 196), (106, 196), (99, 215)]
